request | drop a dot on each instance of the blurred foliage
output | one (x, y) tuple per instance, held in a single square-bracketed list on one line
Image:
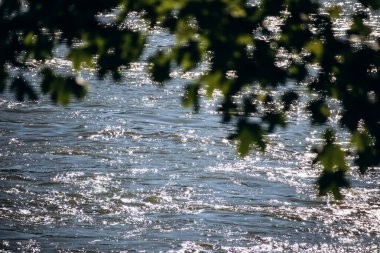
[(248, 61)]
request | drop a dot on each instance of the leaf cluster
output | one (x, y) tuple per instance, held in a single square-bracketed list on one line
[(248, 61)]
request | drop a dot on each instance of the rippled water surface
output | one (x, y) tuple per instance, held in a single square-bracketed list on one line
[(129, 169)]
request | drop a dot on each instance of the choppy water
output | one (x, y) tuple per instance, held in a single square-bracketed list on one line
[(129, 169)]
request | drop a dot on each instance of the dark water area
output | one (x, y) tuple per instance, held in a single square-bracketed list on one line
[(130, 170)]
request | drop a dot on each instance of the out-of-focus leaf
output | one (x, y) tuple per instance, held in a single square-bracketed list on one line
[(274, 119), (30, 39), (23, 89), (358, 26), (3, 79), (361, 140), (288, 99), (61, 88), (188, 56), (367, 155), (191, 97), (161, 63), (335, 11), (249, 106), (297, 71), (213, 81), (320, 112), (315, 47), (332, 182), (331, 156), (249, 135), (81, 57), (332, 159)]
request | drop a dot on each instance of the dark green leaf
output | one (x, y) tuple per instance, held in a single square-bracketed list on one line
[(191, 96), (161, 64), (320, 112), (22, 89), (332, 182)]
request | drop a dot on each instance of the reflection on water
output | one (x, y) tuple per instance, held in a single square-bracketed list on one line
[(128, 169)]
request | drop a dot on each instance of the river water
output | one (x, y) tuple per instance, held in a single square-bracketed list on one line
[(129, 169)]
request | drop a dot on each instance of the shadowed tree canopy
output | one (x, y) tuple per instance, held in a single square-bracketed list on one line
[(249, 61)]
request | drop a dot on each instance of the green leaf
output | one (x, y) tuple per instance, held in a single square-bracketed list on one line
[(62, 88), (81, 57), (358, 26), (320, 112), (188, 56), (288, 99), (212, 81), (331, 156), (332, 182), (335, 11), (30, 39), (316, 48), (274, 119), (191, 97), (161, 63), (249, 105), (333, 160), (297, 71), (22, 89), (361, 140), (249, 135)]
